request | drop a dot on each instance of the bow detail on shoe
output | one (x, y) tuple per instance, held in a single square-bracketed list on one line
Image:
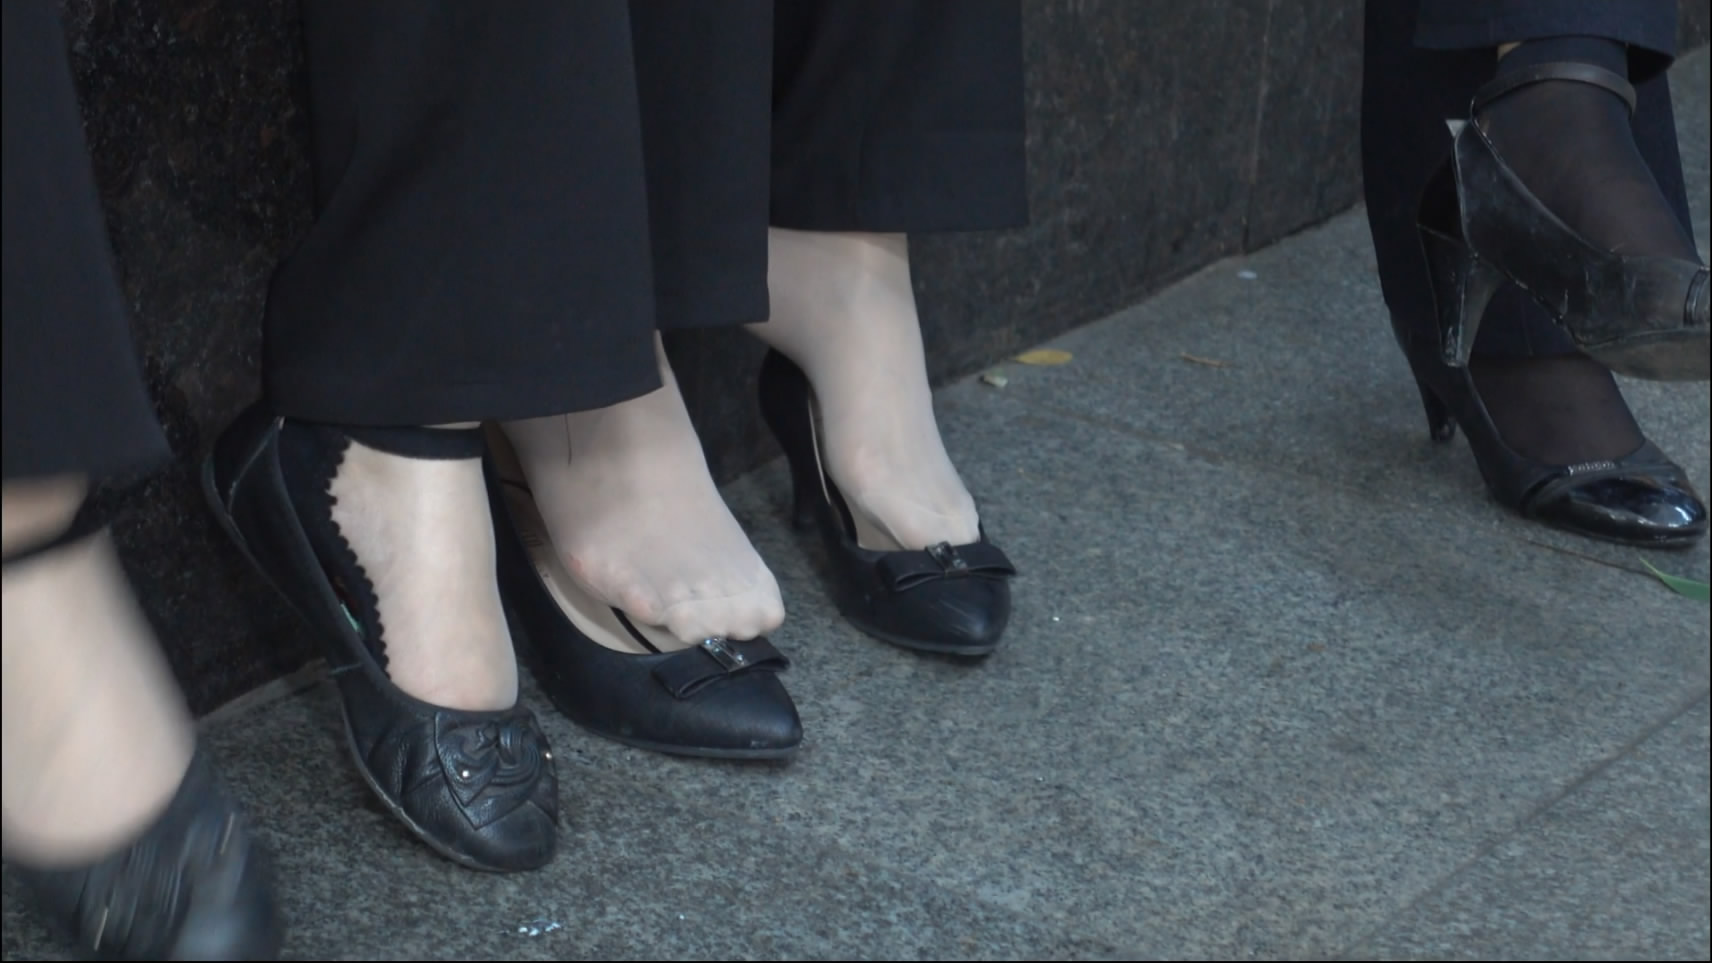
[(902, 571), (710, 660), (492, 765)]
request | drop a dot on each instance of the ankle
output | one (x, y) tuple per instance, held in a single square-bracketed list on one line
[(97, 737)]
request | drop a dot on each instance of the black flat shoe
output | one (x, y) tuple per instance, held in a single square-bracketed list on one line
[(953, 599), (194, 886), (720, 699), (477, 787), (1642, 499), (1641, 316)]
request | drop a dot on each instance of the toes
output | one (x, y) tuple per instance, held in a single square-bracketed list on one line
[(688, 621), (742, 616), (623, 589), (766, 618)]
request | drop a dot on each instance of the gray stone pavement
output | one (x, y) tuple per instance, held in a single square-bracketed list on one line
[(1282, 683)]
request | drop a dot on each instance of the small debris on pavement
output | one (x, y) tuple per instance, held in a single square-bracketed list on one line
[(1044, 356), (537, 927)]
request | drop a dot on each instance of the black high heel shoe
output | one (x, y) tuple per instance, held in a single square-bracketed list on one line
[(478, 787), (1641, 499), (194, 886), (1640, 316), (720, 699), (953, 599)]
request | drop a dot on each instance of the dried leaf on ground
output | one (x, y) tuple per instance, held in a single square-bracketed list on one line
[(1044, 356)]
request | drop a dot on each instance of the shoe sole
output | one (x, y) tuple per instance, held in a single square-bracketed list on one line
[(1665, 356), (1671, 543), (972, 652)]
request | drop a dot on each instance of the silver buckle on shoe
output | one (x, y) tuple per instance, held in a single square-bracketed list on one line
[(950, 562), (724, 653)]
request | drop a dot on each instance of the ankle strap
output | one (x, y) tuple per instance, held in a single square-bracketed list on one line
[(1580, 73), (439, 444), (88, 521)]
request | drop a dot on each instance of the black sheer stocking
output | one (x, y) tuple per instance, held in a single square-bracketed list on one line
[(1561, 410), (1572, 145)]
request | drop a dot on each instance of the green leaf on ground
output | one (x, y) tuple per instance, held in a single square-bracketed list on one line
[(1682, 586)]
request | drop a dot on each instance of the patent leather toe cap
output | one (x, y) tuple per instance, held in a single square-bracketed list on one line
[(1640, 509)]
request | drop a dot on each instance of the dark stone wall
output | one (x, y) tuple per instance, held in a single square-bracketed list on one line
[(193, 112), (1162, 136)]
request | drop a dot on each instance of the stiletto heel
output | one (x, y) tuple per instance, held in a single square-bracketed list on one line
[(1440, 425), (802, 511), (1463, 286), (794, 422), (946, 598), (1641, 316)]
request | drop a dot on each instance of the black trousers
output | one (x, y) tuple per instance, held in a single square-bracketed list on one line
[(1422, 63), (512, 198), (511, 204)]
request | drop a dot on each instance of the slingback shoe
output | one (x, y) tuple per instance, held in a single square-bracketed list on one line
[(719, 699), (1641, 316), (194, 885), (478, 787), (946, 598)]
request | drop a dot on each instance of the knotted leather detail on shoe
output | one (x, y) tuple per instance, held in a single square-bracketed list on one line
[(1694, 308), (491, 765), (710, 660), (902, 571)]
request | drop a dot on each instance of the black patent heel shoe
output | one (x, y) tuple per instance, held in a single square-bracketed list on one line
[(478, 787), (952, 599), (1641, 499), (195, 885), (1640, 316), (719, 699)]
